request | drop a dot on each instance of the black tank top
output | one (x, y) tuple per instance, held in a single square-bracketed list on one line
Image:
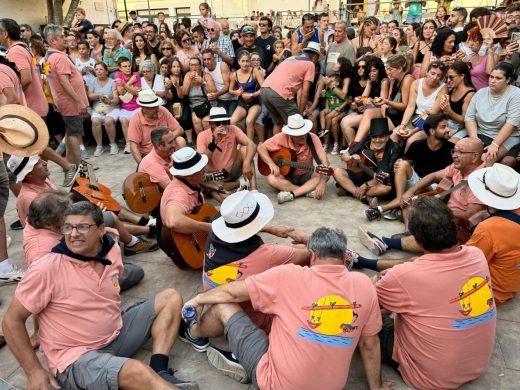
[(456, 106), (355, 89)]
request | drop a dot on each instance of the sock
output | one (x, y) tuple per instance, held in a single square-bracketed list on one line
[(132, 242), (6, 265), (143, 221), (81, 147), (159, 362), (363, 262), (292, 193), (152, 232), (392, 243)]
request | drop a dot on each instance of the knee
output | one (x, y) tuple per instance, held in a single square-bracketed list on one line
[(169, 298), (339, 173), (109, 121), (224, 311), (181, 142)]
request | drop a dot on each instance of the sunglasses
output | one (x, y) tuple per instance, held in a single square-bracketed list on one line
[(221, 123), (263, 24), (212, 29), (186, 40), (438, 64), (361, 66), (450, 77), (166, 48)]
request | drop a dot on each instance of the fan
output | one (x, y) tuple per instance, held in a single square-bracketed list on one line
[(492, 26)]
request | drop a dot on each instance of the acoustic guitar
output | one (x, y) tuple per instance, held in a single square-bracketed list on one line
[(86, 187), (187, 250), (142, 196), (286, 160)]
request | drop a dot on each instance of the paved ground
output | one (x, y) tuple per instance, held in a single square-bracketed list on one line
[(305, 214)]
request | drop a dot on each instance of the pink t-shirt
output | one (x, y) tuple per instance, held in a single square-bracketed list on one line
[(77, 310), (156, 166), (38, 242), (60, 63), (178, 194), (23, 58), (265, 257), (221, 159), (288, 77), (479, 76), (303, 152), (445, 317), (461, 198), (140, 128), (132, 104), (319, 314), (9, 79), (27, 194)]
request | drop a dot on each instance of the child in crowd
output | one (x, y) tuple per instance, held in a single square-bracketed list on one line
[(334, 106), (84, 63)]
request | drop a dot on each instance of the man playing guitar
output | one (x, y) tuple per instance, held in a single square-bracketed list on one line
[(158, 162), (295, 136), (379, 156)]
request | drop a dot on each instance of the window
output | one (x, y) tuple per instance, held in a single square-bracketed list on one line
[(182, 12)]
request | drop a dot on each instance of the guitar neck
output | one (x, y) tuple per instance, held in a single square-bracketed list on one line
[(366, 169), (297, 165)]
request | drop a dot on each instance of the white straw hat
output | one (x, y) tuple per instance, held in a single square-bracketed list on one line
[(296, 125), (497, 186), (187, 161)]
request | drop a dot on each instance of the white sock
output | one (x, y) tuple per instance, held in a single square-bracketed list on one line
[(6, 265), (133, 241), (81, 147)]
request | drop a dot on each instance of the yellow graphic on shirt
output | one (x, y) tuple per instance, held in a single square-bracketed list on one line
[(224, 274)]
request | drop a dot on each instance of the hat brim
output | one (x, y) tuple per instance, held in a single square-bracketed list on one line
[(310, 50), (476, 184), (219, 119), (296, 132), (33, 160), (232, 236), (30, 116), (190, 171), (157, 103)]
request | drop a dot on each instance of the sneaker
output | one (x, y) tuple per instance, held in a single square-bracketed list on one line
[(127, 148), (310, 194), (200, 344), (142, 246), (352, 258), (8, 241), (393, 215), (335, 148), (16, 225), (99, 151), (227, 364), (84, 153), (284, 196), (15, 274), (114, 149), (323, 133), (69, 175), (244, 183), (372, 242), (372, 213), (61, 149), (170, 378), (151, 222)]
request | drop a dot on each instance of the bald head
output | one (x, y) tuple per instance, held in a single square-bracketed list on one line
[(471, 145)]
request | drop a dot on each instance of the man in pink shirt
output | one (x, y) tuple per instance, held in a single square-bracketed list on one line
[(280, 88), (86, 339), (148, 117), (320, 314), (445, 316), (296, 137), (158, 162), (220, 143), (68, 90)]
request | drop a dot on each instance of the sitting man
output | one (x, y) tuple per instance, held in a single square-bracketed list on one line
[(305, 344), (151, 115), (32, 172), (220, 143), (296, 137), (462, 202), (380, 155), (158, 162), (423, 157), (86, 339), (445, 315)]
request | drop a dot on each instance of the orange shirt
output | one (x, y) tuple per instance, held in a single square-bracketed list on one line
[(461, 198), (27, 194), (288, 77), (498, 238), (9, 79), (156, 166), (38, 242), (178, 194)]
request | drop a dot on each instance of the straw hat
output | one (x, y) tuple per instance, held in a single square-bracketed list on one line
[(187, 161), (296, 125), (497, 186), (148, 98), (22, 166), (24, 132), (218, 114)]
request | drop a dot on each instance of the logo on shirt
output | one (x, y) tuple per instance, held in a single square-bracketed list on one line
[(224, 274), (115, 281), (331, 319), (476, 303)]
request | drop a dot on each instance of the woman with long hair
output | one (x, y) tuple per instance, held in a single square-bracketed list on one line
[(387, 48), (443, 49), (440, 16), (411, 36), (72, 46), (365, 42), (96, 47), (423, 46), (141, 52), (175, 95), (481, 65), (164, 32), (187, 50), (400, 37)]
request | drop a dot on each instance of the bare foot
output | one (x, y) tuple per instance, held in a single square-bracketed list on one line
[(35, 340)]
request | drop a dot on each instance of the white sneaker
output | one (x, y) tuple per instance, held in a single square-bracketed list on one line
[(284, 196), (244, 183), (114, 149), (127, 148), (152, 222), (15, 274), (99, 151), (311, 194), (334, 149)]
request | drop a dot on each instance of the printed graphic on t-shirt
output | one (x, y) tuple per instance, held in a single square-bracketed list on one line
[(115, 281), (330, 319), (476, 303), (224, 274)]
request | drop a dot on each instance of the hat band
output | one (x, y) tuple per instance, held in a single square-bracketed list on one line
[(151, 102), (493, 192), (31, 125), (188, 164), (22, 165), (218, 116), (246, 221)]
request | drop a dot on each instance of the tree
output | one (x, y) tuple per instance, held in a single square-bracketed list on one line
[(55, 11)]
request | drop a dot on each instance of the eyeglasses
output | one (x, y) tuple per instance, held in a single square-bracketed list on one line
[(451, 77), (438, 64), (82, 228), (263, 24), (212, 29), (455, 151), (186, 40), (361, 66), (166, 48)]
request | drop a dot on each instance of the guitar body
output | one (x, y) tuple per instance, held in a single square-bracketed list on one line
[(95, 194), (282, 154), (187, 250), (141, 195)]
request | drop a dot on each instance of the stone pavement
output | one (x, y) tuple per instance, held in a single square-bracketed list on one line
[(305, 214)]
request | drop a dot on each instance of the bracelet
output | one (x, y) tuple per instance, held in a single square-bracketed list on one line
[(495, 144)]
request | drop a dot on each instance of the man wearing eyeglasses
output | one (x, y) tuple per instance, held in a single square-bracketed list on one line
[(220, 45), (26, 32)]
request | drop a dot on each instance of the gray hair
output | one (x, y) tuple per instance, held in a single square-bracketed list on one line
[(326, 242), (115, 31), (342, 22), (50, 31), (157, 135), (86, 208), (148, 64), (47, 209)]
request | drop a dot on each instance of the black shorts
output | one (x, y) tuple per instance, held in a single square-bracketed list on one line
[(386, 339), (247, 105)]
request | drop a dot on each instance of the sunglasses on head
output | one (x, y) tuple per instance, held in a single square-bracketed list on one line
[(438, 64)]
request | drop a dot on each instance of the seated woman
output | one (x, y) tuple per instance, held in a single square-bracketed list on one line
[(176, 100), (151, 80), (187, 50), (422, 45), (387, 48), (245, 83), (494, 114), (103, 94), (443, 49), (481, 65), (141, 51)]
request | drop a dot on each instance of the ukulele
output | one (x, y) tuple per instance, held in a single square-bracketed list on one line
[(286, 160), (187, 250), (86, 187), (142, 196)]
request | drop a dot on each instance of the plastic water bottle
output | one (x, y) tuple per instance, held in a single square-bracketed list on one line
[(189, 313)]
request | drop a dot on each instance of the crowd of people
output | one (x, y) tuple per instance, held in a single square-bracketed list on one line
[(424, 116)]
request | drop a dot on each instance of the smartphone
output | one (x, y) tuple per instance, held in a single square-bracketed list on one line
[(515, 37)]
